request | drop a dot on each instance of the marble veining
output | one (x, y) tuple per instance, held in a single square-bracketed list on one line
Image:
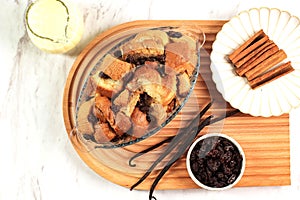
[(37, 160)]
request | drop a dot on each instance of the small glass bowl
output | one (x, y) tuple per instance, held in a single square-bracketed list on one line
[(212, 162)]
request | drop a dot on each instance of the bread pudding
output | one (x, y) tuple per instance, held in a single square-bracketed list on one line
[(137, 86)]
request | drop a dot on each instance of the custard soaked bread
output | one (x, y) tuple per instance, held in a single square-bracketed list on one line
[(136, 87)]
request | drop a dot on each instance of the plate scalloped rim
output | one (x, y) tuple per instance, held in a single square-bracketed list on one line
[(268, 100)]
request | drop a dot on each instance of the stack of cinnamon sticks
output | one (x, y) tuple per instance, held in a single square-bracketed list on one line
[(260, 60)]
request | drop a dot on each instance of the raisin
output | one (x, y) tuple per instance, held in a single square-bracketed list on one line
[(161, 70), (232, 163), (140, 61), (148, 99), (118, 54), (214, 153), (92, 118), (171, 106), (231, 179), (220, 175), (174, 34), (209, 173), (203, 177), (227, 170), (144, 103), (193, 156), (201, 162), (195, 167), (226, 157), (228, 148), (137, 59), (213, 165), (115, 108), (213, 182), (103, 75), (161, 59), (130, 59), (152, 59), (150, 118), (89, 137), (216, 162)]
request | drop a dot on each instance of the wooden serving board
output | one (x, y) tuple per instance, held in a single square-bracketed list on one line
[(265, 141)]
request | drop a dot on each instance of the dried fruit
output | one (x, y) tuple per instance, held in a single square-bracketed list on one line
[(220, 161)]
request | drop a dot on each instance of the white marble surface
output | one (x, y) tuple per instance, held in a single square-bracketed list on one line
[(37, 161)]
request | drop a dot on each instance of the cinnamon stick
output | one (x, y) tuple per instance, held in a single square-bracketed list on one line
[(249, 49), (266, 64), (271, 75), (255, 53), (236, 52), (257, 59)]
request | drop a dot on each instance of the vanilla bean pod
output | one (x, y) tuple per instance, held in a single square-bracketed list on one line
[(227, 114), (202, 112), (172, 145), (148, 150), (181, 149)]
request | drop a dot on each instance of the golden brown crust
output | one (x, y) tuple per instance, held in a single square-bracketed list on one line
[(178, 57), (103, 104), (126, 101), (184, 84), (106, 87), (146, 74), (146, 79), (99, 114), (146, 48), (115, 68), (159, 36), (168, 89), (181, 49)]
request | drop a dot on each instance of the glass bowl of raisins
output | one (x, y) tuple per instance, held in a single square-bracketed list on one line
[(215, 161)]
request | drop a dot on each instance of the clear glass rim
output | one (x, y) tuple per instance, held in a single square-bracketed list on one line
[(194, 77)]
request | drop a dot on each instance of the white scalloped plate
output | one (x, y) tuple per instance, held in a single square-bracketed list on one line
[(275, 98)]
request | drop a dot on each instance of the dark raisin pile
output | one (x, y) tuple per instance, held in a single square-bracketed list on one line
[(144, 103), (137, 59), (216, 162)]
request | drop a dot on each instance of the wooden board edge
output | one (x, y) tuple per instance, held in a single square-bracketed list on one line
[(67, 104)]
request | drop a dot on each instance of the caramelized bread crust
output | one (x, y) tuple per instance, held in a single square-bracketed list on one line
[(115, 68)]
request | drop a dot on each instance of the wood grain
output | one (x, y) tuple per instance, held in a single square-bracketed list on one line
[(265, 141)]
